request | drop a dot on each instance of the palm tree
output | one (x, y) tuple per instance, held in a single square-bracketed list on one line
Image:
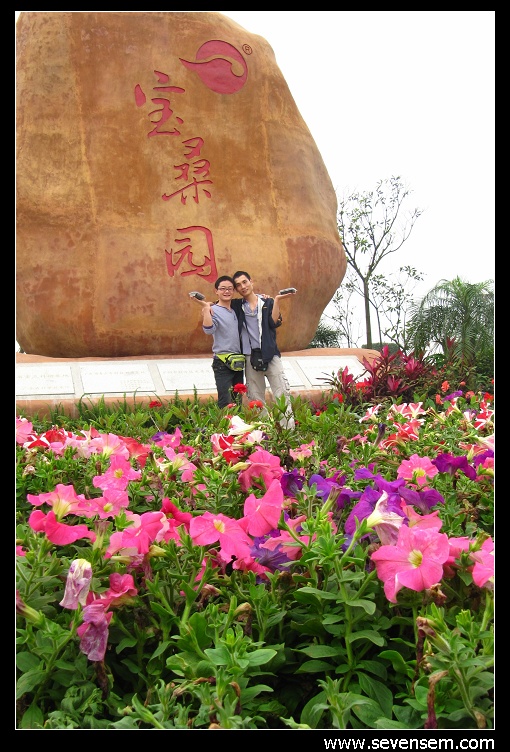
[(457, 318)]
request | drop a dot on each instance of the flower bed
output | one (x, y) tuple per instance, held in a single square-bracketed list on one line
[(182, 567)]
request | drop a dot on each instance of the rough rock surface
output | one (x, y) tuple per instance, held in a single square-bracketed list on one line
[(156, 151)]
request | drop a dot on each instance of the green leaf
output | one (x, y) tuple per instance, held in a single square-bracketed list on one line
[(367, 634), (313, 667), (160, 649), (27, 682), (368, 711), (374, 667), (27, 661), (378, 692), (218, 656), (259, 657), (127, 642), (32, 718), (369, 606), (400, 666), (314, 709), (321, 594), (321, 651), (198, 622), (250, 692)]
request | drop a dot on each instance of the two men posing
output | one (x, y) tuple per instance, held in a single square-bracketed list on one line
[(241, 325)]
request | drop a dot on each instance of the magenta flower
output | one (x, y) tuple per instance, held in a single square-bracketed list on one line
[(146, 528), (483, 570), (415, 562), (109, 505), (263, 468), (57, 532), (118, 474), (94, 631), (173, 512), (303, 451), (24, 431), (107, 444), (77, 584), (121, 592), (417, 470), (262, 515), (213, 528), (64, 500)]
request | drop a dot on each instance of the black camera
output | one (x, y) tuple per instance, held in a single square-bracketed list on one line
[(286, 290), (257, 361)]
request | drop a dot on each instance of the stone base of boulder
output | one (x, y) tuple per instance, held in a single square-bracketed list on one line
[(45, 385)]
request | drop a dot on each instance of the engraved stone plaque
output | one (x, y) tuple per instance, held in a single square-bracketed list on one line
[(293, 377), (99, 378), (316, 369), (41, 379), (187, 375)]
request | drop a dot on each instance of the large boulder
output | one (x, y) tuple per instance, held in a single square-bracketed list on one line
[(155, 151)]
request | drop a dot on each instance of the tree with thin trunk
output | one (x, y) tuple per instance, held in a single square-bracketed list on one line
[(372, 226)]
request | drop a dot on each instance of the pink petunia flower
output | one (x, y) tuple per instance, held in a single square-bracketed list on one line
[(483, 570), (305, 450), (64, 500), (110, 504), (263, 468), (456, 546), (118, 475), (57, 532), (146, 529), (107, 444), (262, 515), (24, 431), (415, 562), (121, 592), (417, 470), (212, 528)]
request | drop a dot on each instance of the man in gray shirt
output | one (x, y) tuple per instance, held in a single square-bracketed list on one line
[(220, 320)]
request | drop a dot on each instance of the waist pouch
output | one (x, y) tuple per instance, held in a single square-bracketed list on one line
[(257, 361), (234, 361)]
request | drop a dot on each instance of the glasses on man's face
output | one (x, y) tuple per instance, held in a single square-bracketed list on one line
[(225, 289)]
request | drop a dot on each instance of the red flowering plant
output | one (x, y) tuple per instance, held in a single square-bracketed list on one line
[(217, 574), (390, 375)]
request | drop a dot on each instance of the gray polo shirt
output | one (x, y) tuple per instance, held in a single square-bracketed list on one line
[(225, 330)]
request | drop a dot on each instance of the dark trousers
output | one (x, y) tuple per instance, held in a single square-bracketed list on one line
[(225, 380)]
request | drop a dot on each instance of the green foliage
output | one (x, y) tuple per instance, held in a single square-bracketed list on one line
[(203, 645)]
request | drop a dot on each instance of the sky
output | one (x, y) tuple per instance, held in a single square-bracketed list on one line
[(408, 94)]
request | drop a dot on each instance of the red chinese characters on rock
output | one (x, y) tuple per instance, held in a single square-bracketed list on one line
[(203, 264), (183, 260)]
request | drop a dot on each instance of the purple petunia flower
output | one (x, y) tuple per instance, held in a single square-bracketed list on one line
[(291, 483), (448, 463)]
